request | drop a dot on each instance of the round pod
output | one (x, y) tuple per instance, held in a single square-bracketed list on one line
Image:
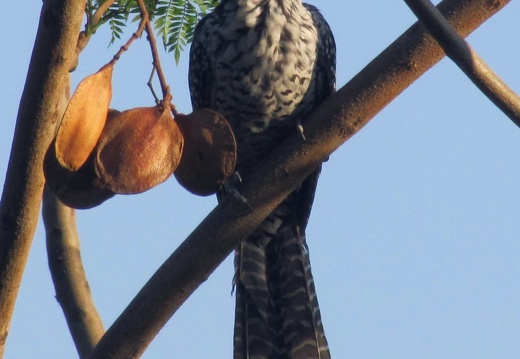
[(209, 154), (138, 149)]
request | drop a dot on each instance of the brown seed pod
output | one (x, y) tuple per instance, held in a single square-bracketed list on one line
[(209, 154), (84, 119), (138, 149), (79, 189)]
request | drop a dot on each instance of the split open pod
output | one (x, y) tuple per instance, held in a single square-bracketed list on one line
[(84, 119)]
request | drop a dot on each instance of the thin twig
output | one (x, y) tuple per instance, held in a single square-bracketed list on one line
[(136, 35), (150, 86), (144, 25), (165, 88), (467, 59), (334, 122)]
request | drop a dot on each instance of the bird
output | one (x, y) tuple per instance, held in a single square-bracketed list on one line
[(265, 65)]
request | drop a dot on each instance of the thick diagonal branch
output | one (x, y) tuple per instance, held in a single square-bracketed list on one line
[(467, 59), (327, 128)]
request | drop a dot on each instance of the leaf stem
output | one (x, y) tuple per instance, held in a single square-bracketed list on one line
[(134, 37)]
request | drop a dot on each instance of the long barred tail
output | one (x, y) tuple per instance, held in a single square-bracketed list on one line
[(277, 314)]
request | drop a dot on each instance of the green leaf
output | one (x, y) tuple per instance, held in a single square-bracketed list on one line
[(174, 20)]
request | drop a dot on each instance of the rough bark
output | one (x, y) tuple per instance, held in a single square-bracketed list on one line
[(54, 54)]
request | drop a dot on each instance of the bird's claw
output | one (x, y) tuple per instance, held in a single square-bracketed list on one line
[(299, 127), (230, 186)]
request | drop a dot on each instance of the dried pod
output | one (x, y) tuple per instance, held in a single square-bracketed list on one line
[(79, 189), (138, 149), (209, 154), (84, 119)]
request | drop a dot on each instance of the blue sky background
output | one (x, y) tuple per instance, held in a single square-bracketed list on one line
[(414, 236)]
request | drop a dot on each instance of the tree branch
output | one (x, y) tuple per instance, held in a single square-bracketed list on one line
[(52, 58), (103, 8), (84, 36), (68, 275), (327, 128), (136, 35), (467, 59)]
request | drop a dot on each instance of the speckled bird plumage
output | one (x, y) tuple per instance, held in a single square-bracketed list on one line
[(265, 65)]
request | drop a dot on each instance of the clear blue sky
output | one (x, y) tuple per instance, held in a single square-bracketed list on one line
[(414, 236)]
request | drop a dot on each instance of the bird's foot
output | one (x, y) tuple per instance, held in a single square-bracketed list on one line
[(231, 184)]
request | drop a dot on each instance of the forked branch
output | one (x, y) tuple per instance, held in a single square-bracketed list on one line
[(458, 50), (92, 22)]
